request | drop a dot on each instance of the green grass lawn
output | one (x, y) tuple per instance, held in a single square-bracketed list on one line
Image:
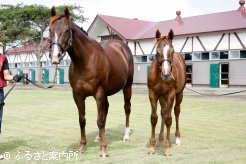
[(213, 130)]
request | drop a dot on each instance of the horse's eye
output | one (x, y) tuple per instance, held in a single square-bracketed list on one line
[(50, 32)]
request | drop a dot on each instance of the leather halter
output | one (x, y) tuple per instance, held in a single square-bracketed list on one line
[(169, 75), (64, 49)]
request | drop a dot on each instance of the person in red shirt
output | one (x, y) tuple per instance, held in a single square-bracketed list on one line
[(4, 77)]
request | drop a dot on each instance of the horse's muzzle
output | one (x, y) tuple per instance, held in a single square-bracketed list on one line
[(55, 60)]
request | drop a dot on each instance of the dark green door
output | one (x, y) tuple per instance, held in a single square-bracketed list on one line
[(61, 74), (46, 76), (214, 75), (148, 68), (20, 72), (32, 74)]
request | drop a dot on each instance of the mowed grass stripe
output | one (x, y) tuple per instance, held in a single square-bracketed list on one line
[(212, 129)]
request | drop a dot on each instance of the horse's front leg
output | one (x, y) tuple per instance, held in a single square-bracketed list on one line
[(161, 134), (102, 111), (168, 121), (80, 102), (153, 119)]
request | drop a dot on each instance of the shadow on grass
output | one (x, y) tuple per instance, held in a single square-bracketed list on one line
[(11, 145), (114, 134)]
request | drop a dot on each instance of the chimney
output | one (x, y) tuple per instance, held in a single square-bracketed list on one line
[(242, 9), (178, 18)]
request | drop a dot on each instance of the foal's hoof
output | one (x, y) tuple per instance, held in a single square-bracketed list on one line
[(151, 152), (168, 153), (104, 155)]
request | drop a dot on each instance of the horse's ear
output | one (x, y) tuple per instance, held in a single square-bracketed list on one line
[(66, 12), (53, 11), (157, 34), (170, 34)]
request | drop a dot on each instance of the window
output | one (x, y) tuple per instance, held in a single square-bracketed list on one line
[(243, 54), (224, 55), (234, 55), (205, 56), (188, 56), (196, 56), (215, 55), (140, 59)]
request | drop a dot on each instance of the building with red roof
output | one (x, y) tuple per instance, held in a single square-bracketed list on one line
[(213, 45), (211, 42)]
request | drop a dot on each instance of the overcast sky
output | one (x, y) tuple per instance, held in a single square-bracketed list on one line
[(150, 10)]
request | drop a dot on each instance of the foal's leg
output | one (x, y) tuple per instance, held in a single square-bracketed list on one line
[(101, 119), (127, 91), (161, 134), (179, 98), (80, 102), (153, 119), (168, 121)]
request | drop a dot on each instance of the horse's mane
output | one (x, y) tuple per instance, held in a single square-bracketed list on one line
[(81, 29), (57, 17)]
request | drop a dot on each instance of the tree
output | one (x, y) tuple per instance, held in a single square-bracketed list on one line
[(23, 24)]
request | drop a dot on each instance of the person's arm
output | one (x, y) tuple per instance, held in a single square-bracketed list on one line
[(6, 75)]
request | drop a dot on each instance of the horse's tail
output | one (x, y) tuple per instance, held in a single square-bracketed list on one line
[(126, 50)]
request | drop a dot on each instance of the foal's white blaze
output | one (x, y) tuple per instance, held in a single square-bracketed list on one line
[(165, 63), (127, 134), (55, 48)]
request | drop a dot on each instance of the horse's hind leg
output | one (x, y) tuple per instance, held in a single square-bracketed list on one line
[(179, 98), (127, 91), (161, 134)]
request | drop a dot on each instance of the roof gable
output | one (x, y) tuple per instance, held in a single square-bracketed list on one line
[(134, 29)]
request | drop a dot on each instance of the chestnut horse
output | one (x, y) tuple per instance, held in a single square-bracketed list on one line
[(96, 69), (166, 82)]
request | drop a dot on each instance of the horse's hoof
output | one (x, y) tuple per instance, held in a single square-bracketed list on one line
[(97, 139), (151, 152), (168, 153), (178, 141), (104, 155), (125, 139), (127, 135), (82, 149)]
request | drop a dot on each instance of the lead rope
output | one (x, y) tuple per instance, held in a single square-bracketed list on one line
[(37, 85), (204, 94)]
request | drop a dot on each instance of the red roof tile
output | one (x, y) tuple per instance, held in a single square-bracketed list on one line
[(27, 48), (132, 29)]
